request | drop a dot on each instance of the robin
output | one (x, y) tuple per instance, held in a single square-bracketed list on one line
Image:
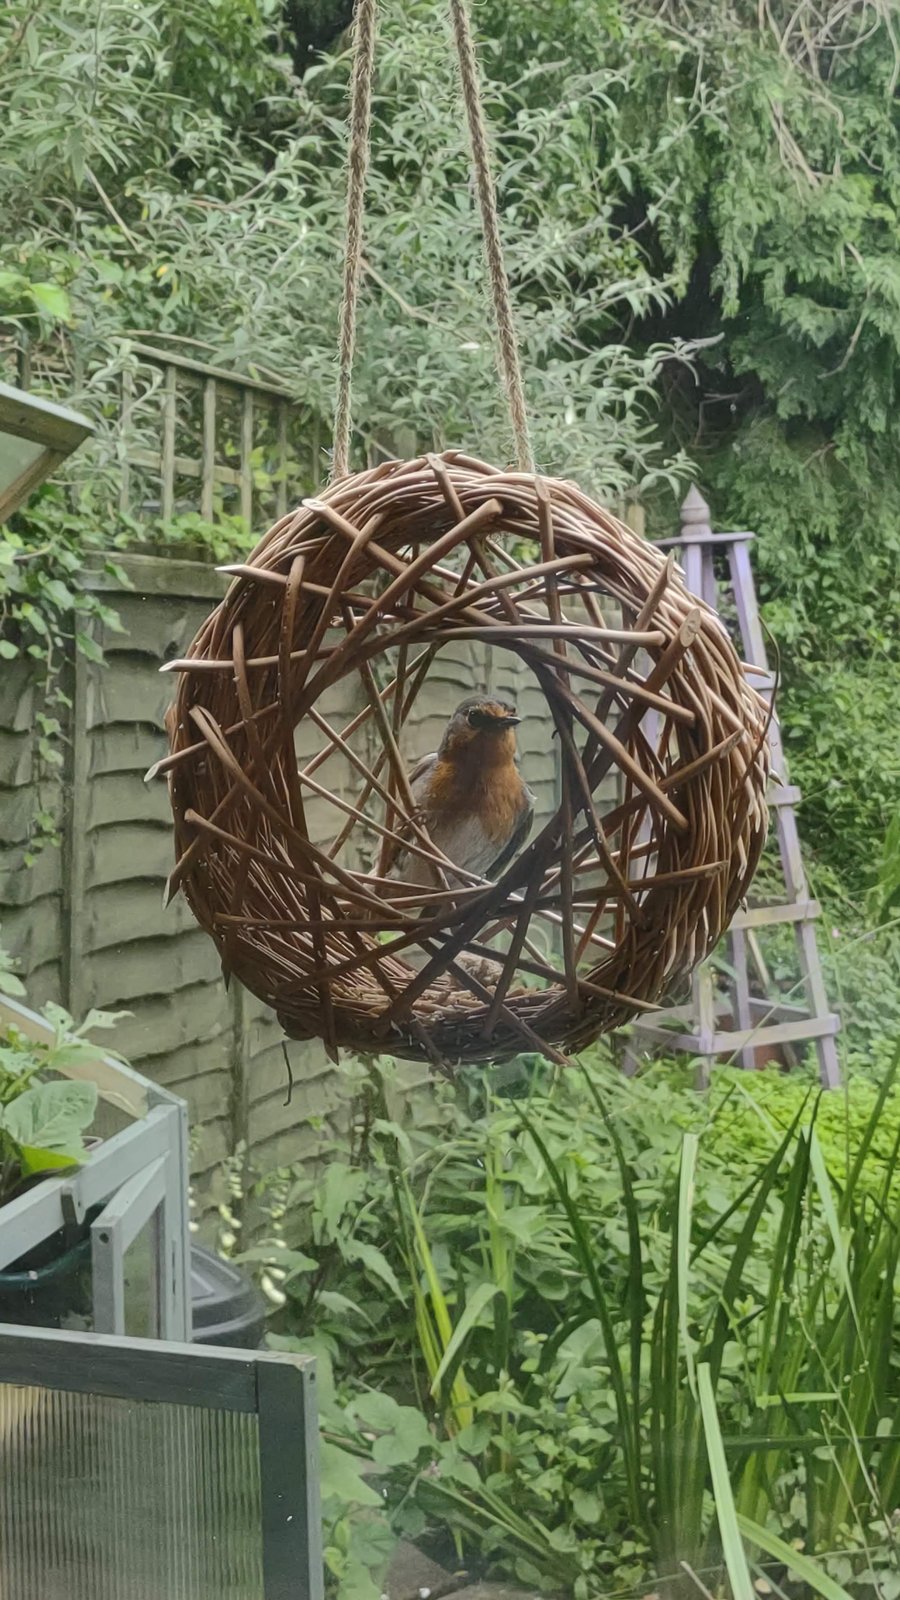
[(471, 797)]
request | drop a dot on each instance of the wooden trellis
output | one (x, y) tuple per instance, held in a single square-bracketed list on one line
[(195, 467), (744, 1023)]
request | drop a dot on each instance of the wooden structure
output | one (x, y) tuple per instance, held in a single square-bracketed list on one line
[(742, 1023), (189, 438), (367, 585), (35, 437), (219, 436), (139, 1467)]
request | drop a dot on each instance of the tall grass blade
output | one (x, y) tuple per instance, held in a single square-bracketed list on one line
[(865, 1143), (683, 1261), (829, 1209), (729, 1530), (440, 1324), (636, 1299), (796, 1562), (585, 1252), (449, 1362)]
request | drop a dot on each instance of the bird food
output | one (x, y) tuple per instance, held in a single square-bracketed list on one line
[(434, 921)]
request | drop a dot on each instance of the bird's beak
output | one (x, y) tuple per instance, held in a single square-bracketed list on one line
[(512, 721)]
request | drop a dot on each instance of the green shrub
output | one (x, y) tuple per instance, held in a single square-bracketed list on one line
[(539, 1278)]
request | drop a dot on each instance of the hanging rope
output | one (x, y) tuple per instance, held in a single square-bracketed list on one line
[(510, 367), (358, 166)]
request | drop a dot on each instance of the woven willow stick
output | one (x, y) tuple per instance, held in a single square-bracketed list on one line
[(292, 835), (520, 932), (554, 608)]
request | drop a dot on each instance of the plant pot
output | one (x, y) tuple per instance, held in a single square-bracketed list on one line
[(50, 1287)]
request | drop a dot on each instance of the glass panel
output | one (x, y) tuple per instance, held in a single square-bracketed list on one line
[(120, 1500), (15, 456), (141, 1316)]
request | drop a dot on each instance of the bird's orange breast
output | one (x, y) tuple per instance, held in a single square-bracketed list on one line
[(495, 794)]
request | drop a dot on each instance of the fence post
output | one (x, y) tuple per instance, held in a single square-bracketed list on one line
[(74, 845)]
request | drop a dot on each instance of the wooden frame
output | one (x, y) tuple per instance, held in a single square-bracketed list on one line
[(205, 469), (54, 429), (761, 1023), (278, 1389), (138, 1175)]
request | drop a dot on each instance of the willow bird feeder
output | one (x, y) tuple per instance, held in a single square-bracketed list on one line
[(603, 909)]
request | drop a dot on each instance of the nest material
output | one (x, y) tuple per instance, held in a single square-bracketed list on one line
[(392, 564)]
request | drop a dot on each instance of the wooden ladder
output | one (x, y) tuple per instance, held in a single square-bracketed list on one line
[(760, 1022)]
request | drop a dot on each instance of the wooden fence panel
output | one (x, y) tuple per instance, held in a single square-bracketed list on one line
[(31, 919), (87, 921)]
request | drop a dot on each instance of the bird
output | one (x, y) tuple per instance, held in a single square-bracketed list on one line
[(470, 797)]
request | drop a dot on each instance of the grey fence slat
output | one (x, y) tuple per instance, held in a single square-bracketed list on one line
[(125, 426), (208, 461), (167, 455), (246, 457), (281, 488)]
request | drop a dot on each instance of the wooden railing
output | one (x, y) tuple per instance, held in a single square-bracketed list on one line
[(224, 442), (190, 437)]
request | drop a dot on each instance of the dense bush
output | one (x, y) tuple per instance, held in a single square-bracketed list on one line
[(511, 1308)]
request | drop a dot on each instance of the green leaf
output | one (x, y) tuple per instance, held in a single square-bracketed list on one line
[(475, 1307), (35, 1160), (90, 649), (729, 1532), (341, 1479), (51, 299), (802, 1567), (278, 1255), (375, 1261), (100, 1019), (403, 1438), (341, 1305), (52, 1116), (8, 650), (341, 1186), (58, 593)]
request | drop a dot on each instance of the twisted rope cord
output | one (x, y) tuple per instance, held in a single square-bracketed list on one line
[(508, 349), (358, 167)]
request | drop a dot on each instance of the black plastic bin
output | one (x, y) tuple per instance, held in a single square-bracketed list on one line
[(228, 1309)]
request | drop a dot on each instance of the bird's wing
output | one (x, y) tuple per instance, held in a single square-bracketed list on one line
[(420, 771), (517, 839), (392, 853)]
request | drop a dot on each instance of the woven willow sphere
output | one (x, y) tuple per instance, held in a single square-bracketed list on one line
[(322, 645)]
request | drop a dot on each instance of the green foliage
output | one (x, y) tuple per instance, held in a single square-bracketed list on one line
[(43, 1118), (539, 1280), (886, 890), (208, 208), (193, 536), (45, 613), (749, 1113), (44, 1125)]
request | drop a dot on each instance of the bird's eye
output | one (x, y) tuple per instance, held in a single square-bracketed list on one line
[(473, 718)]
